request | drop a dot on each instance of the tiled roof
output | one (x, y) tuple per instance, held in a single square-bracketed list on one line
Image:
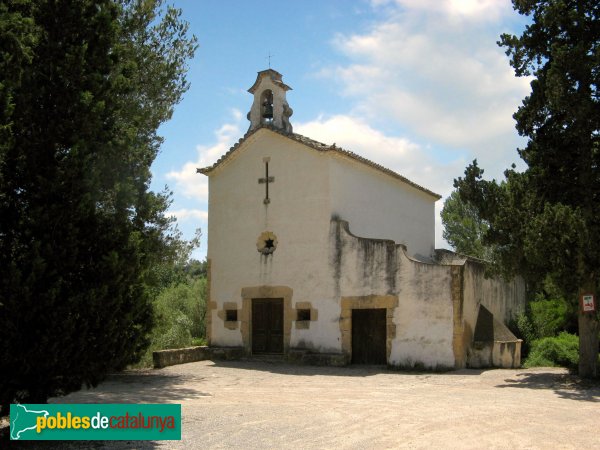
[(319, 146)]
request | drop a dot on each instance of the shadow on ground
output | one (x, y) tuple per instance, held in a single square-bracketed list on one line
[(81, 445), (353, 370), (133, 386), (563, 384), (150, 387)]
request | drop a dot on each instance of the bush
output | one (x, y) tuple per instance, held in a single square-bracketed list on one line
[(177, 334), (179, 312), (522, 328), (558, 351), (187, 298), (199, 341), (549, 316)]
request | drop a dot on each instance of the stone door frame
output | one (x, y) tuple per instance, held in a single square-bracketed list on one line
[(266, 292), (389, 302)]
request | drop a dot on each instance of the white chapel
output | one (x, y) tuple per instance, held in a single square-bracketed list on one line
[(320, 255)]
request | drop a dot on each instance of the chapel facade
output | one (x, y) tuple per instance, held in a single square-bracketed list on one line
[(321, 255)]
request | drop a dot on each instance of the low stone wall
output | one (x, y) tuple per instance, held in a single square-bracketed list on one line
[(504, 354), (164, 358)]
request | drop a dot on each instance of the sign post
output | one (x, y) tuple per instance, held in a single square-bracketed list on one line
[(587, 303)]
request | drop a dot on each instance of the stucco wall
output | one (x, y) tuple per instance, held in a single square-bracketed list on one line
[(472, 296), (298, 214), (301, 204), (381, 207), (504, 299), (438, 305), (423, 332), (319, 264)]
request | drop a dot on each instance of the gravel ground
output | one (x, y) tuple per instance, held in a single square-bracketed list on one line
[(250, 404)]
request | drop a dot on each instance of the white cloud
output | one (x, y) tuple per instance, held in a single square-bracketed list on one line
[(191, 188), (351, 133), (184, 214), (354, 134), (188, 181), (397, 153), (430, 70), (464, 9), (446, 83), (433, 68)]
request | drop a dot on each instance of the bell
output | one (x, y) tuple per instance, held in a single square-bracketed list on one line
[(267, 111)]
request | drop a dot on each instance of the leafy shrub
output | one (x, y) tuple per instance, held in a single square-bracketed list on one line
[(558, 351), (549, 316), (178, 333), (522, 328), (187, 298), (179, 312), (199, 341)]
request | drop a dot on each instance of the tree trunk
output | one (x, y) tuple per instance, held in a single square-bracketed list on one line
[(588, 340)]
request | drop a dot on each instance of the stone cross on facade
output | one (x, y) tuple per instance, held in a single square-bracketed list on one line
[(266, 180)]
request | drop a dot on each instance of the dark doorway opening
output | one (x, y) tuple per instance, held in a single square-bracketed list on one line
[(267, 326), (369, 336)]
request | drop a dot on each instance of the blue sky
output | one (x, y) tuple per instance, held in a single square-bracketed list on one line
[(419, 86)]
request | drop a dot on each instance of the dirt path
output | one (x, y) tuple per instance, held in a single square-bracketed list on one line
[(269, 405)]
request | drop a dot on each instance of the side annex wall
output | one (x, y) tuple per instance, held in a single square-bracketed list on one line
[(433, 307)]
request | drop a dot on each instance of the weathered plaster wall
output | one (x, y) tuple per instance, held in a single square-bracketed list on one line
[(423, 317), (504, 299), (323, 334), (431, 308), (495, 354), (380, 207), (424, 320), (437, 309), (471, 301), (298, 214)]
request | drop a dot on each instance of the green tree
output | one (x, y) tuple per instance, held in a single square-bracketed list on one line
[(179, 308), (544, 221), (174, 270), (85, 85), (463, 228)]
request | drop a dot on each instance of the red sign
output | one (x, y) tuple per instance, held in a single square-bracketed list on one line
[(587, 303)]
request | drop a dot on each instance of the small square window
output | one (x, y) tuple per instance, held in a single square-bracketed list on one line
[(231, 315), (303, 314)]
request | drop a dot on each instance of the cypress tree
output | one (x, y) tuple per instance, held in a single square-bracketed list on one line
[(85, 86), (544, 221)]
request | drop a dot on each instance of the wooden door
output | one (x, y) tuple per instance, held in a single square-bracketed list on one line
[(369, 336), (267, 325)]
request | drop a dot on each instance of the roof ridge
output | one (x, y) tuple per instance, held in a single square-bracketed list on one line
[(320, 147)]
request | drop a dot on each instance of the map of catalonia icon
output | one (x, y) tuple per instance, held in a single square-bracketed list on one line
[(23, 420)]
